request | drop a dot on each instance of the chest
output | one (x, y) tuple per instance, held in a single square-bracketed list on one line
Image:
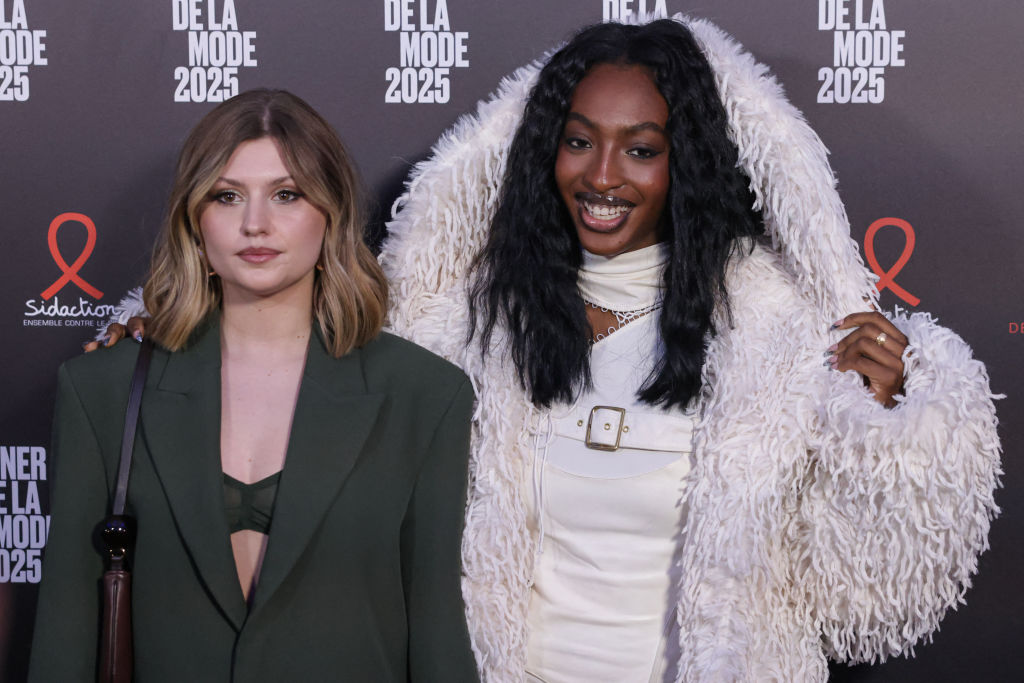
[(257, 404)]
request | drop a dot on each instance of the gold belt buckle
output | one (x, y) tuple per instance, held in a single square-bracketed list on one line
[(618, 434)]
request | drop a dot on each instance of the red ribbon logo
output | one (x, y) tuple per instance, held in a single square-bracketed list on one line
[(71, 272), (886, 279)]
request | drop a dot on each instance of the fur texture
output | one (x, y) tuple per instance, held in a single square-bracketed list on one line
[(820, 524)]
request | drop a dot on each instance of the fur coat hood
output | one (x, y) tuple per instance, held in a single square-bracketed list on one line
[(820, 524)]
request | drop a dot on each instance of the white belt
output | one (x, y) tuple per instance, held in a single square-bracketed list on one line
[(608, 428)]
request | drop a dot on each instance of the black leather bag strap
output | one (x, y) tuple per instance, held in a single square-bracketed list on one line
[(131, 420), (118, 533)]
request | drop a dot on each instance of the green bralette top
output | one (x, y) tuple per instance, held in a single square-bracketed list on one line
[(250, 506)]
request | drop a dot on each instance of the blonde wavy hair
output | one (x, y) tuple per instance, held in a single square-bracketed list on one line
[(350, 293)]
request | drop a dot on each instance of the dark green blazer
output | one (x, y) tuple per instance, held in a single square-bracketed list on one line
[(361, 578)]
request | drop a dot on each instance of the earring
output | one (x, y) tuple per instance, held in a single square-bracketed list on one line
[(210, 272)]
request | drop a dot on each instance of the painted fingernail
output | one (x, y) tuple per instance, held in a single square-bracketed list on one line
[(837, 324), (832, 349), (138, 336)]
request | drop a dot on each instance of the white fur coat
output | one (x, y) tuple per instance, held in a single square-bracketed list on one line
[(820, 524)]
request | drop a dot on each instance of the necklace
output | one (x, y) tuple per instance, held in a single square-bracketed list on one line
[(628, 285), (622, 318)]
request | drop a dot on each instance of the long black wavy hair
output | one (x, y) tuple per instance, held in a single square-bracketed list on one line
[(526, 276)]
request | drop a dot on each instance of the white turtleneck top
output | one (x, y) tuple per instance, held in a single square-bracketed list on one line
[(608, 522)]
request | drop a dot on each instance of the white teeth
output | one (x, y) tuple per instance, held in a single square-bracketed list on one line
[(604, 212)]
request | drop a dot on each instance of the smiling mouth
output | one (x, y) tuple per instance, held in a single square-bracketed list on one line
[(603, 212)]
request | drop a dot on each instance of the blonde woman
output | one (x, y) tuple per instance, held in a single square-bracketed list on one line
[(299, 476)]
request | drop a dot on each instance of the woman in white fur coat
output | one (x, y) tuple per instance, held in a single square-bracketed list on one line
[(828, 490), (834, 488)]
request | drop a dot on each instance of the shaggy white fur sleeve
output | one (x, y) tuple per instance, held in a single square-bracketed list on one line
[(897, 504), (129, 306)]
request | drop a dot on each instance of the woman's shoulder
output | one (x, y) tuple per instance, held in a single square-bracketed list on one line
[(104, 365), (392, 361), (99, 380), (758, 279)]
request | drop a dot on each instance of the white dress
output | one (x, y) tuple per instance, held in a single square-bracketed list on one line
[(609, 523)]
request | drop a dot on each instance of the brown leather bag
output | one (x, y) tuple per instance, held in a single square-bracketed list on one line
[(116, 639), (116, 653)]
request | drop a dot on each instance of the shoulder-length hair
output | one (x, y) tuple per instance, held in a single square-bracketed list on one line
[(526, 276), (350, 292)]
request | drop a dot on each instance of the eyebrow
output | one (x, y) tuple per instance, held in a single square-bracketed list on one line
[(231, 181), (646, 125)]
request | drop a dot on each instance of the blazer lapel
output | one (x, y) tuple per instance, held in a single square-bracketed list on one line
[(333, 417), (181, 426)]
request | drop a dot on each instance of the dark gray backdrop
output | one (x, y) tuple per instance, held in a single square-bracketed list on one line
[(99, 129)]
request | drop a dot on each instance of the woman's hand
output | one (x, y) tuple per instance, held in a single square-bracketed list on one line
[(875, 350), (116, 332)]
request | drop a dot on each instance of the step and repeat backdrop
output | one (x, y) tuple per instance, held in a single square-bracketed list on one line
[(920, 103)]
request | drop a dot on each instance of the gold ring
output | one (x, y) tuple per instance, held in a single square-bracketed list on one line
[(880, 339)]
